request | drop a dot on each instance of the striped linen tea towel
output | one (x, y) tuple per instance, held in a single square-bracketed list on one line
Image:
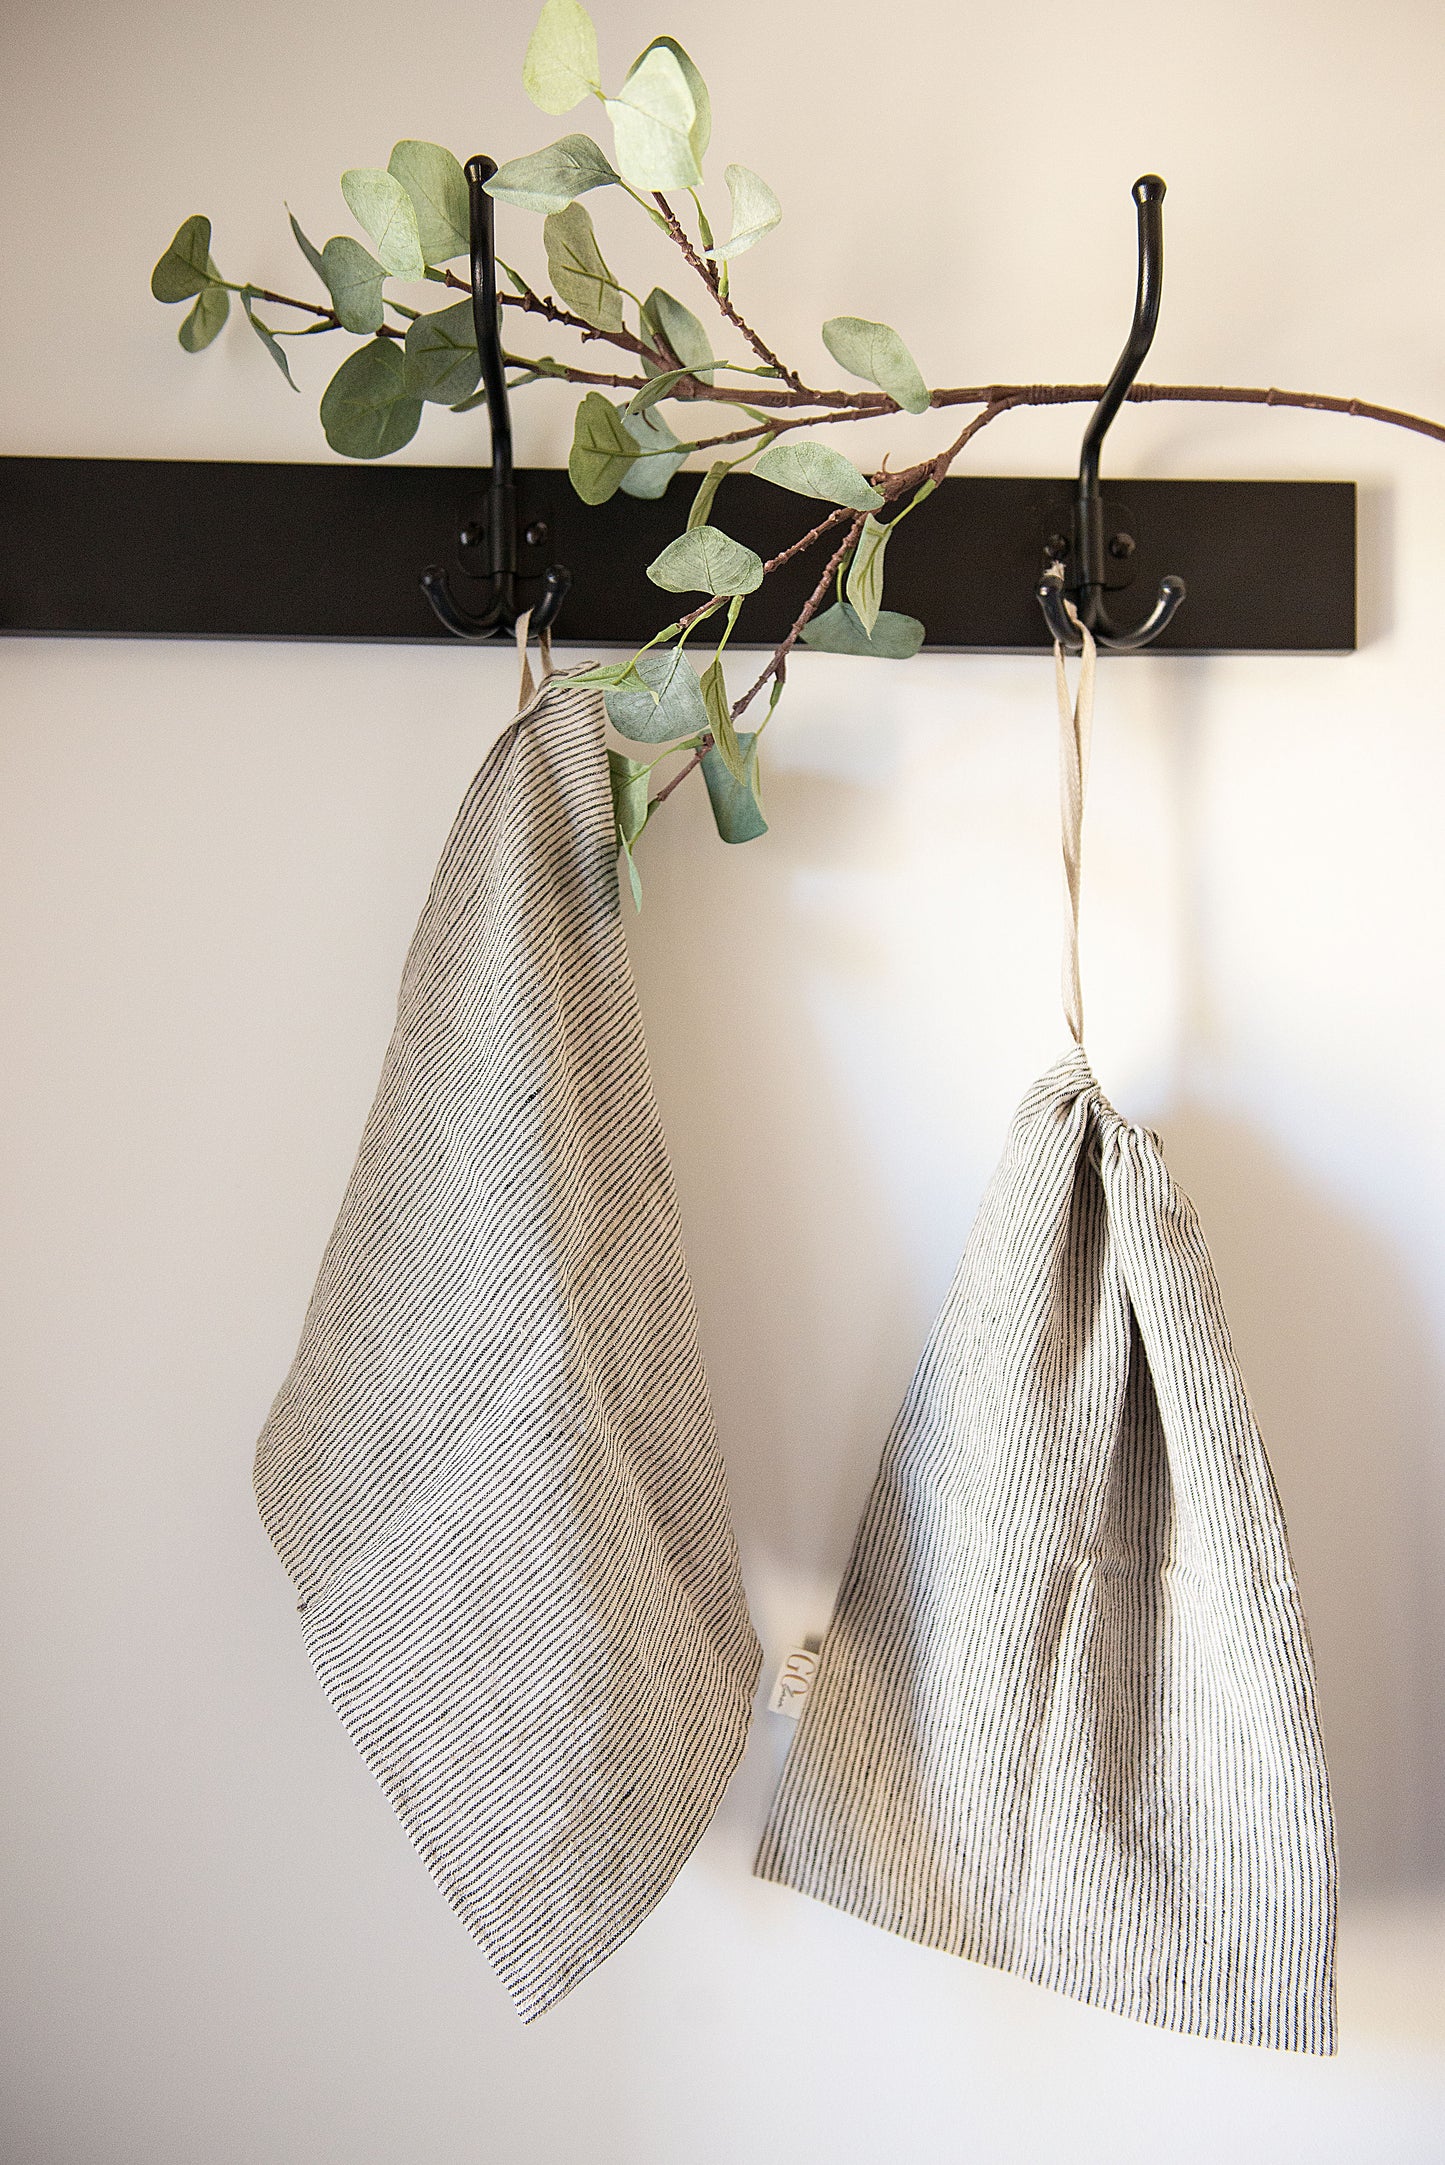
[(492, 1471), (1064, 1719)]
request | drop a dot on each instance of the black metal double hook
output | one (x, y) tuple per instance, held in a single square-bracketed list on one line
[(501, 608), (1083, 580)]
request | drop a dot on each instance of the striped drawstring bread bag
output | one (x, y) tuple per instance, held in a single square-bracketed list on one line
[(492, 1471), (1064, 1718)]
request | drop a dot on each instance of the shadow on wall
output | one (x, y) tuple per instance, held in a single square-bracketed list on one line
[(812, 1306), (1339, 1357), (1346, 1388)]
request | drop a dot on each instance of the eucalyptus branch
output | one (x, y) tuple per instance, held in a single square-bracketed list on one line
[(540, 304), (417, 217), (935, 469), (329, 320), (1361, 409), (565, 372), (1144, 394), (708, 274), (814, 533), (706, 608), (858, 403), (704, 746), (1002, 397), (285, 300), (809, 609), (804, 420), (690, 387), (839, 406), (870, 405)]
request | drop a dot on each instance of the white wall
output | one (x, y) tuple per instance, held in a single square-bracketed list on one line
[(220, 1949)]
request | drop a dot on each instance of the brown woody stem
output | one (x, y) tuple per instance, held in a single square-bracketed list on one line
[(1006, 395), (862, 405), (708, 274), (577, 375), (683, 772), (809, 608), (538, 304), (284, 300), (814, 533)]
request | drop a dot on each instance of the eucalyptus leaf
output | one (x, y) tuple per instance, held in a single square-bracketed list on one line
[(548, 180), (601, 673), (441, 355), (633, 877), (351, 275), (662, 454), (707, 489), (878, 355), (756, 210), (720, 719), (685, 336), (312, 254), (700, 132), (653, 116), (269, 340), (658, 387), (206, 319), (838, 631), (603, 450), (186, 268), (658, 699), (381, 206), (355, 280), (366, 409), (704, 560), (810, 468), (864, 588), (735, 807), (630, 809), (561, 64), (629, 794), (579, 275), (434, 180)]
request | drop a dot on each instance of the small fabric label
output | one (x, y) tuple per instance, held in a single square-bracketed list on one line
[(790, 1690)]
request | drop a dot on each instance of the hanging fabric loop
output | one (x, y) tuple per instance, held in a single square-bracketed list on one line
[(527, 687), (1076, 730)]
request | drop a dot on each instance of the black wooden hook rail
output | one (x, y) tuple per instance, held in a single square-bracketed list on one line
[(218, 549), (197, 549)]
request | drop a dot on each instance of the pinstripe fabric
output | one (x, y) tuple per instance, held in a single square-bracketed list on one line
[(492, 1471), (1064, 1720)]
